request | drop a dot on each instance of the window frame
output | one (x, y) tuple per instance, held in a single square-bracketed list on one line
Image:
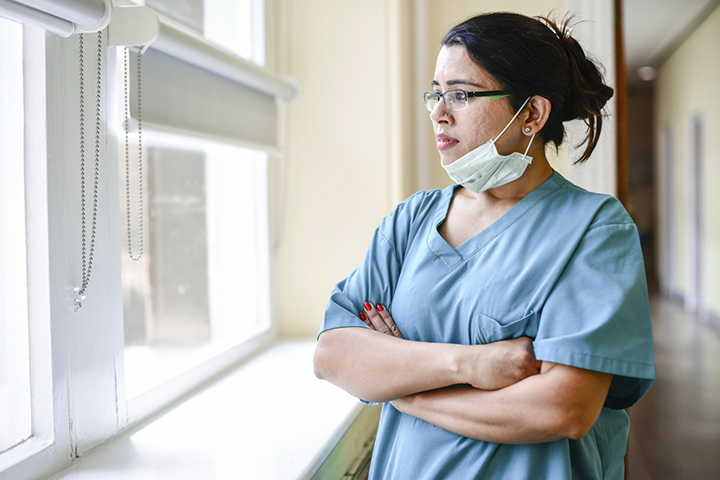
[(37, 455), (14, 329)]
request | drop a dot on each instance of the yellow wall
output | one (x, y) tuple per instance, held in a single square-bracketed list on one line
[(687, 85), (334, 186), (349, 137)]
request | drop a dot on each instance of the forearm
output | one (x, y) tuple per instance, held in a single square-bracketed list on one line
[(377, 367), (560, 403)]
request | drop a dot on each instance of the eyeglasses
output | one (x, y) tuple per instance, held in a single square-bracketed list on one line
[(458, 99)]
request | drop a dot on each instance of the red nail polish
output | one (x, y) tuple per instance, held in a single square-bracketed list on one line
[(368, 307), (363, 317), (380, 308)]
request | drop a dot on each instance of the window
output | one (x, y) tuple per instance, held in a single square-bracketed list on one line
[(15, 405), (149, 331), (202, 285)]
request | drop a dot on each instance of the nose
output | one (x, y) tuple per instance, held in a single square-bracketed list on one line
[(440, 113)]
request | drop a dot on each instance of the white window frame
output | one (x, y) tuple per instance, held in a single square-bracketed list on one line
[(15, 402), (36, 455), (37, 289), (77, 374)]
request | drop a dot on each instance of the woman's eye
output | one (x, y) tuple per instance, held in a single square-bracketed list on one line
[(458, 96)]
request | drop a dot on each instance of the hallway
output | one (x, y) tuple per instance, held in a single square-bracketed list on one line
[(675, 429)]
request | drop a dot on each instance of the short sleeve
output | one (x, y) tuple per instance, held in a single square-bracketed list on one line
[(377, 276), (597, 316), (371, 281)]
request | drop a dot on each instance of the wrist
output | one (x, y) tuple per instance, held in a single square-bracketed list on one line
[(459, 364)]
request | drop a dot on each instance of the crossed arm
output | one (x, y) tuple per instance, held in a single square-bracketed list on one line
[(509, 397)]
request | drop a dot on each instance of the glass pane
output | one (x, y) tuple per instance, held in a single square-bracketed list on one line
[(15, 413), (187, 12), (237, 26), (202, 284)]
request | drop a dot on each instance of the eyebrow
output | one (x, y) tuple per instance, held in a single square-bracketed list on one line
[(435, 83)]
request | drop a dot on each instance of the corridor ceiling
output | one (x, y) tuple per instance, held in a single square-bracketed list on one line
[(652, 29)]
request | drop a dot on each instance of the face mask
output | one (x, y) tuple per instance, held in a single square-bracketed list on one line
[(484, 168)]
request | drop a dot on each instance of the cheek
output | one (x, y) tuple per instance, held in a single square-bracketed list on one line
[(475, 133), (480, 126)]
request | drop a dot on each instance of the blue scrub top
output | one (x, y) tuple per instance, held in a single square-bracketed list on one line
[(564, 267)]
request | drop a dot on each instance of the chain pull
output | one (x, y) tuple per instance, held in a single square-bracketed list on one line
[(87, 253), (141, 244)]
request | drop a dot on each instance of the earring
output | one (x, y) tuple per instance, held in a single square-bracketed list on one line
[(527, 129)]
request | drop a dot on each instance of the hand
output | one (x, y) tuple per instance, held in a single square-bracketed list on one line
[(378, 318), (500, 364)]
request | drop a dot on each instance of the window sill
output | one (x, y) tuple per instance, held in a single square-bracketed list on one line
[(269, 419)]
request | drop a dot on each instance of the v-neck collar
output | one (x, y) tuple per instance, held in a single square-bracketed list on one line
[(451, 257)]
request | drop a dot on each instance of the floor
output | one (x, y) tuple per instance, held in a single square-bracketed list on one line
[(675, 429)]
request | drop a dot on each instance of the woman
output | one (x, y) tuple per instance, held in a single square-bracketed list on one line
[(503, 320)]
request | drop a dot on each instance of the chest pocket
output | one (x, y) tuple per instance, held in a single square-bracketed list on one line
[(488, 330)]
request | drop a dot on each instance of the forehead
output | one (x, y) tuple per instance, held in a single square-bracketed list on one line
[(454, 66)]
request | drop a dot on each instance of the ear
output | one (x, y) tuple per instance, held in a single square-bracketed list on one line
[(538, 111)]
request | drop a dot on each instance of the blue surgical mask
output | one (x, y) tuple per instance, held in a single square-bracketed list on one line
[(484, 168)]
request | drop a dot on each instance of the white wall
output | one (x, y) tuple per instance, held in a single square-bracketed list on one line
[(686, 87), (595, 32)]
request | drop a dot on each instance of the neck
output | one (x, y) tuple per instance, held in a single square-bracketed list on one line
[(535, 174)]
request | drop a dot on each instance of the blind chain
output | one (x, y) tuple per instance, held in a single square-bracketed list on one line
[(87, 252), (127, 158)]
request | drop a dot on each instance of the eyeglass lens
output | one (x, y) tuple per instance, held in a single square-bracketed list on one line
[(454, 99)]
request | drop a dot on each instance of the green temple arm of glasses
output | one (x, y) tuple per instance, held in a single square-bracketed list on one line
[(494, 94)]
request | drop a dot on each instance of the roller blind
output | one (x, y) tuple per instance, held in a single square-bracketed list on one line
[(193, 86), (189, 85), (180, 97)]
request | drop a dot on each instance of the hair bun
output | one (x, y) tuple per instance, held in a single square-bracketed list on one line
[(587, 91)]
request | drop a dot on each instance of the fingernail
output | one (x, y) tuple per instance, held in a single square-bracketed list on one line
[(380, 308), (363, 317), (368, 307)]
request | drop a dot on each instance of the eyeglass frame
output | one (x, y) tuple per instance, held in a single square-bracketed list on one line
[(494, 94)]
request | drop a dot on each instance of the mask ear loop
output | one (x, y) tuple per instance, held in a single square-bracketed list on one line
[(512, 119), (528, 149)]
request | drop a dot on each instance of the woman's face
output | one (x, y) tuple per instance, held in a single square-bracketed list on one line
[(459, 131)]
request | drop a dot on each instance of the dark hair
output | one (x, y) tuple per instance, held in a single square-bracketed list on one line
[(535, 56)]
